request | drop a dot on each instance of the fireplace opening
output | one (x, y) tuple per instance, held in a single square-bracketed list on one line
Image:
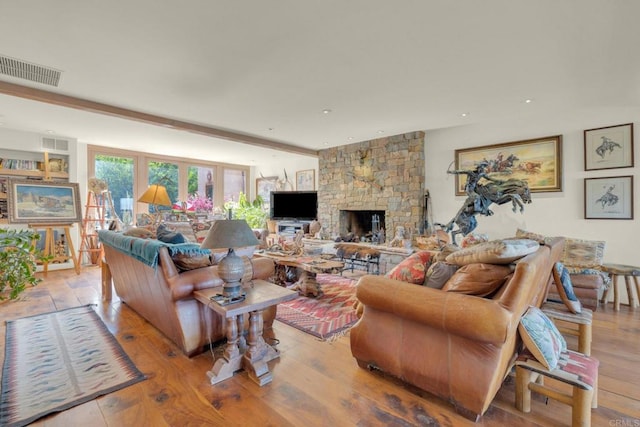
[(361, 225)]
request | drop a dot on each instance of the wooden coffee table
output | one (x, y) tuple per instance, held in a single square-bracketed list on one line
[(310, 266), (254, 354)]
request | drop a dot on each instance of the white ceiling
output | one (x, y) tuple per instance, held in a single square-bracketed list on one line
[(381, 67)]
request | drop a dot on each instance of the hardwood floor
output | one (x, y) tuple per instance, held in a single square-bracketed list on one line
[(315, 383)]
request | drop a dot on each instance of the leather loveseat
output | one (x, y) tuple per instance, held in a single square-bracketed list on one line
[(147, 279), (457, 346)]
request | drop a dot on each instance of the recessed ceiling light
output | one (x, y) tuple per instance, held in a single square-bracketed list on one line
[(326, 111), (528, 101), (464, 115), (350, 138), (380, 131)]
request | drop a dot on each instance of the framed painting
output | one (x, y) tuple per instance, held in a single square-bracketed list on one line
[(43, 202), (306, 180), (264, 187), (538, 161), (608, 197), (608, 147)]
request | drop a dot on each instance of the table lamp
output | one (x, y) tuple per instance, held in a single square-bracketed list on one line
[(230, 233), (156, 195)]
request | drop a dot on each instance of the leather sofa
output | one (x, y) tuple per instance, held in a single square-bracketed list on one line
[(153, 286), (456, 346)]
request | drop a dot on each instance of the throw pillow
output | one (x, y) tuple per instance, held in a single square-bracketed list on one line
[(565, 288), (524, 234), (139, 232), (473, 239), (496, 252), (438, 274), (167, 236), (583, 253), (541, 337), (477, 279), (413, 269), (185, 262)]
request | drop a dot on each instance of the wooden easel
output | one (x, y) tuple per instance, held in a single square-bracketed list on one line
[(50, 244)]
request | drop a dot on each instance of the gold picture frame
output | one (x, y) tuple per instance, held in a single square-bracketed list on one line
[(538, 161), (43, 202)]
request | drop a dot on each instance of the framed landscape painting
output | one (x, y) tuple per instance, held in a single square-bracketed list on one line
[(538, 161), (43, 202), (608, 197), (608, 147)]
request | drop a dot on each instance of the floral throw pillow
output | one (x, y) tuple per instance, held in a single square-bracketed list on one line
[(413, 269), (541, 337)]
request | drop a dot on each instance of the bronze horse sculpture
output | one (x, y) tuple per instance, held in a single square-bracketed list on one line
[(512, 190)]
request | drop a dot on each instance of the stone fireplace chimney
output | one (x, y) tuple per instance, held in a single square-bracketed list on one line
[(385, 175)]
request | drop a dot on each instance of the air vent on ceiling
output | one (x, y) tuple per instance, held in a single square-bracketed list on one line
[(26, 70), (55, 144)]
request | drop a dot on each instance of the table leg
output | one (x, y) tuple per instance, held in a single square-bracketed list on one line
[(616, 293), (633, 303), (308, 285), (231, 360), (254, 359)]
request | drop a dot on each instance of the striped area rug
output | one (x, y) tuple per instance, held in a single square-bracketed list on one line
[(327, 316), (57, 360)]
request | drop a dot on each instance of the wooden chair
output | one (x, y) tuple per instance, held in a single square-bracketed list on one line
[(575, 369)]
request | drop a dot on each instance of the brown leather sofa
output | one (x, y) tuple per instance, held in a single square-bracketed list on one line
[(456, 346), (164, 296)]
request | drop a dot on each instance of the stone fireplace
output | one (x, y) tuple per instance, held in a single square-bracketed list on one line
[(385, 175), (361, 223)]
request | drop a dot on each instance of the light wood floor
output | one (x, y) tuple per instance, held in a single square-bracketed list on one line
[(315, 383)]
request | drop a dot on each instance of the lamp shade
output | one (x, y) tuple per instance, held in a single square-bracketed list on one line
[(156, 194), (229, 233)]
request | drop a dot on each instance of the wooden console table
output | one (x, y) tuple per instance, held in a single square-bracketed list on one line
[(237, 355)]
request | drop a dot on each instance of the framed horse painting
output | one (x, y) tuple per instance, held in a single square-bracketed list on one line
[(608, 147), (608, 197), (538, 161)]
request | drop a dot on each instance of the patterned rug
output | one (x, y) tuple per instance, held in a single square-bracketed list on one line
[(327, 316), (57, 360)]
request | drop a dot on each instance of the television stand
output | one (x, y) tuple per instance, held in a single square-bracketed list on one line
[(290, 228)]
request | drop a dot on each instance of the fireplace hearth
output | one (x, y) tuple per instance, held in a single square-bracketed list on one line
[(361, 225)]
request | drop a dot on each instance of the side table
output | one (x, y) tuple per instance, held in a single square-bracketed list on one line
[(629, 272), (254, 354)]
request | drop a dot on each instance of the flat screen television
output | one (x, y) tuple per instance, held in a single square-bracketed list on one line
[(294, 205)]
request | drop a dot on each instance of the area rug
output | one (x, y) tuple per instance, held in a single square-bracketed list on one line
[(57, 360), (327, 316)]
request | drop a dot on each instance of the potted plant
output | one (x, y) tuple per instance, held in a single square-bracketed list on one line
[(252, 212), (18, 257)]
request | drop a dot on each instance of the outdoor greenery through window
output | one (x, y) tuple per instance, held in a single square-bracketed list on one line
[(117, 172), (199, 185)]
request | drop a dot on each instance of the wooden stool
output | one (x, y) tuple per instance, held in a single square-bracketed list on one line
[(575, 369), (629, 272), (558, 311), (106, 281)]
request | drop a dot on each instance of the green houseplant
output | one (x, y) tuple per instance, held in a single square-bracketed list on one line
[(18, 257), (252, 212)]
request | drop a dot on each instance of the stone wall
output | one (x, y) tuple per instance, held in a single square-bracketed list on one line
[(382, 174)]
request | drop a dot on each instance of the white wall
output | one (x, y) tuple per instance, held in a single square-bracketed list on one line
[(559, 213)]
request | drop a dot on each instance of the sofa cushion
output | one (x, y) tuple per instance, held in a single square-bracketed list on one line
[(477, 279), (438, 274), (164, 234), (541, 337), (412, 269), (186, 262), (496, 252), (524, 234), (583, 253), (565, 288), (139, 232)]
